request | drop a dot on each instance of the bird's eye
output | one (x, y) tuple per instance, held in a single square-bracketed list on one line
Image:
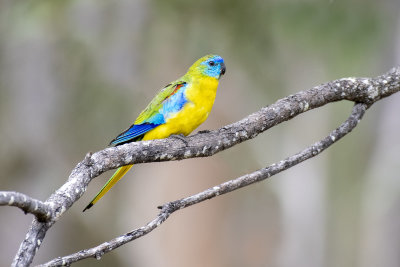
[(211, 63)]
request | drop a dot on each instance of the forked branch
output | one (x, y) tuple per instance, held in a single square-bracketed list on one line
[(245, 180), (363, 91), (41, 210)]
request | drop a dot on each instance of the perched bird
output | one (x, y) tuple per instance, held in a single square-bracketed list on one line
[(179, 108)]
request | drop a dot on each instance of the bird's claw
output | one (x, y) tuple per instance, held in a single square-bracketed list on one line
[(180, 137)]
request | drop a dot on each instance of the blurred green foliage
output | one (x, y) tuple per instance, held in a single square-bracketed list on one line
[(74, 74)]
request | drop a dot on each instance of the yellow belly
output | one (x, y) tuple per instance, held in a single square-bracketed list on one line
[(200, 96)]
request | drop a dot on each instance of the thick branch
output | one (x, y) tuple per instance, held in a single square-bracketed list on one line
[(362, 90), (257, 176), (41, 210)]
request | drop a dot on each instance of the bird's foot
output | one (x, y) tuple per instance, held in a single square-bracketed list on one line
[(180, 137)]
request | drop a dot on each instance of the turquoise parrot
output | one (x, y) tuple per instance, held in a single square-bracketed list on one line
[(179, 108)]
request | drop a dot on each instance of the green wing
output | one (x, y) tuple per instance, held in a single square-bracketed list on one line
[(150, 113)]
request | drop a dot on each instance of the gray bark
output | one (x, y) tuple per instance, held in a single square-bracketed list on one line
[(363, 91)]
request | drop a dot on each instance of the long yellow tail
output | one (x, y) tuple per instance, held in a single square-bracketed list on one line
[(110, 183)]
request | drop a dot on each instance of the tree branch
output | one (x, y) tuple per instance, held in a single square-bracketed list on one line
[(359, 90), (245, 180), (41, 210)]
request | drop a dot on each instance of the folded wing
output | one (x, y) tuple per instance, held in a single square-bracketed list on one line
[(169, 100)]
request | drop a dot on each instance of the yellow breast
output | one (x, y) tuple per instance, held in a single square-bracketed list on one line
[(200, 95)]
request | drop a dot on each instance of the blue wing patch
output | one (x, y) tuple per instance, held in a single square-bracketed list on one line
[(133, 133), (172, 104)]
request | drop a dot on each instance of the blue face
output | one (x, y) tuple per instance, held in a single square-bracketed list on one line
[(214, 66)]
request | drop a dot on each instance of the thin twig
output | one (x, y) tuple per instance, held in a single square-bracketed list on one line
[(41, 210), (257, 176), (359, 90)]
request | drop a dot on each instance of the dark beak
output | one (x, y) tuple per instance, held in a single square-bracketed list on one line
[(223, 69)]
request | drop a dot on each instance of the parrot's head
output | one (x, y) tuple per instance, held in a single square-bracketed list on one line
[(210, 65)]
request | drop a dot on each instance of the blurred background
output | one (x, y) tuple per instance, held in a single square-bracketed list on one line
[(74, 74)]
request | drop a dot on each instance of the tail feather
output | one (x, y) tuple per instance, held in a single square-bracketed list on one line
[(110, 183)]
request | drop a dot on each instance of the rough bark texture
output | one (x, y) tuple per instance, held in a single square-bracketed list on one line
[(42, 211), (363, 91), (257, 176)]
